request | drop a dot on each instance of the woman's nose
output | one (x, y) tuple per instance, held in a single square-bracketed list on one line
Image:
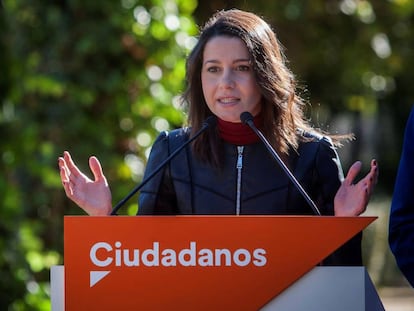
[(227, 79)]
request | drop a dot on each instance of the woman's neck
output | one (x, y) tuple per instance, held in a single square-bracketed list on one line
[(239, 133)]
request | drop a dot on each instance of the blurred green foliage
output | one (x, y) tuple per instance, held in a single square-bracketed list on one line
[(103, 78), (90, 77)]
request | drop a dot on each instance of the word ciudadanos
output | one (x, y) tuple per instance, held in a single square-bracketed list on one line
[(104, 254)]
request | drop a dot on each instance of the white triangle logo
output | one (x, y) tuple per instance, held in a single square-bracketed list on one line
[(96, 276)]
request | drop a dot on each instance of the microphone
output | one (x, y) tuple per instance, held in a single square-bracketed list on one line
[(247, 118), (210, 121)]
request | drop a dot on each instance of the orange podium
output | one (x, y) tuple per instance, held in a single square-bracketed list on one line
[(193, 262)]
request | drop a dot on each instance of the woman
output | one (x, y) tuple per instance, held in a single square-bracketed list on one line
[(237, 66)]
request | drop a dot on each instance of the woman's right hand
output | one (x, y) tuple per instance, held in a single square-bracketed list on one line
[(93, 196)]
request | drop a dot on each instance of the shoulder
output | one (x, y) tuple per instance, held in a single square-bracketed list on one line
[(314, 146), (174, 135), (166, 142), (171, 140), (317, 155), (319, 151), (313, 137)]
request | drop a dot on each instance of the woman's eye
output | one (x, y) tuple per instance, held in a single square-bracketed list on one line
[(243, 68), (213, 69)]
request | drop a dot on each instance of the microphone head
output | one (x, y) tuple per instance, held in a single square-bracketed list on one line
[(246, 117), (210, 121)]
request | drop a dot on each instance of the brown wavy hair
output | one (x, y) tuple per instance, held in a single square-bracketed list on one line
[(282, 107)]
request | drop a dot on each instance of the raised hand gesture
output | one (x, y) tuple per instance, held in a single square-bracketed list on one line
[(352, 198), (93, 196)]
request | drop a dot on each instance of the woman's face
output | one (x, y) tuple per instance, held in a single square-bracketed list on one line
[(228, 81)]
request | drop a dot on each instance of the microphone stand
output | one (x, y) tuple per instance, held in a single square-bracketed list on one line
[(206, 124), (247, 118)]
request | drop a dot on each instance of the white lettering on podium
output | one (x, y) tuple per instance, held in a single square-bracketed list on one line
[(187, 257), (94, 258), (242, 257), (259, 257), (150, 257)]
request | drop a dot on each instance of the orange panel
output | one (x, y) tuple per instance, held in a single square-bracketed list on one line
[(193, 262)]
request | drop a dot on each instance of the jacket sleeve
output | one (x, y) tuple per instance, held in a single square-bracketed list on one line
[(330, 176), (401, 222), (157, 197)]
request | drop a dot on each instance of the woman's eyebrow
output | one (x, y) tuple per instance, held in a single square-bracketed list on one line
[(215, 61)]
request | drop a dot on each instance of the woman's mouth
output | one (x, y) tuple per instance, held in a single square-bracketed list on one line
[(228, 100)]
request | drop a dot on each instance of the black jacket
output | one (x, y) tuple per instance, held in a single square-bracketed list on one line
[(260, 187), (401, 222)]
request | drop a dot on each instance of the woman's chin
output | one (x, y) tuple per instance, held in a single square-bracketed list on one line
[(229, 118)]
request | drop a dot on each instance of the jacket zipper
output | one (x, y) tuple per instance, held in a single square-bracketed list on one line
[(239, 167)]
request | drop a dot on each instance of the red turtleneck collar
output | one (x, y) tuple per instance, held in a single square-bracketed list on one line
[(239, 133)]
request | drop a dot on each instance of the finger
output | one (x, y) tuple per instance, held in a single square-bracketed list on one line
[(375, 170), (67, 186), (353, 172), (96, 169), (62, 171), (73, 169), (64, 176), (363, 195), (372, 177)]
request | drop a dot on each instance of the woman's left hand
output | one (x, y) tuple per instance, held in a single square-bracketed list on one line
[(352, 198)]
